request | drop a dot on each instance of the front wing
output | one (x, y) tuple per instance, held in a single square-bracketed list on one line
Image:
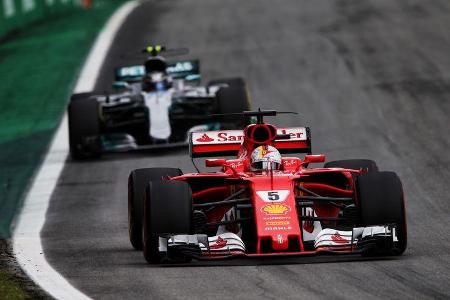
[(378, 239)]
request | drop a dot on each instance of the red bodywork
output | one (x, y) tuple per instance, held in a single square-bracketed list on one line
[(279, 221)]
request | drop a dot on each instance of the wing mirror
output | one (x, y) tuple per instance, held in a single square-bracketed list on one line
[(316, 158), (215, 162)]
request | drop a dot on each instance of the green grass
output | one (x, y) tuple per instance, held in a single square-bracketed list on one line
[(38, 68), (10, 289)]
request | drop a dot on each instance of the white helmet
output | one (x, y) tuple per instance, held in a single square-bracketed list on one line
[(265, 158)]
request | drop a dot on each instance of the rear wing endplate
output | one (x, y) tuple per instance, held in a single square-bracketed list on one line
[(228, 142)]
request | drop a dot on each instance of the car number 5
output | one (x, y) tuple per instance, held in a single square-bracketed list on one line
[(273, 196)]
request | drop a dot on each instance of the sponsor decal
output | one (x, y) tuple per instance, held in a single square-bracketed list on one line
[(273, 196), (275, 209), (204, 139), (290, 163), (277, 223), (276, 228), (132, 71), (180, 67), (225, 137), (296, 133), (237, 164), (237, 136), (220, 243), (219, 137), (269, 218), (337, 238), (280, 239)]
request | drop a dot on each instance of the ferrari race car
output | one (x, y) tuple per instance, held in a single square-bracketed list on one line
[(156, 105), (263, 204)]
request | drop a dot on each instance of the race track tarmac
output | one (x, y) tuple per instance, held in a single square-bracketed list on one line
[(372, 80)]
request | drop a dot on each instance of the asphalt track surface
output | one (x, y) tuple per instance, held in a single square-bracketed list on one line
[(371, 78)]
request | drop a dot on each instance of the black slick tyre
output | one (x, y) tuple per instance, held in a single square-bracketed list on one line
[(81, 96), (354, 164), (233, 100), (137, 183), (167, 210), (381, 201), (84, 128)]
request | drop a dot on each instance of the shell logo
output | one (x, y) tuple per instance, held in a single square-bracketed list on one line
[(275, 209)]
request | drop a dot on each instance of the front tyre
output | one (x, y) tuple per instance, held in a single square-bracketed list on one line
[(381, 201), (167, 209), (137, 182)]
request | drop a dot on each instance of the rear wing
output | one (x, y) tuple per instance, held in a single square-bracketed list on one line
[(184, 69), (228, 142), (181, 69)]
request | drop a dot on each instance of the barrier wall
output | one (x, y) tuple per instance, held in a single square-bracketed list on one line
[(15, 14)]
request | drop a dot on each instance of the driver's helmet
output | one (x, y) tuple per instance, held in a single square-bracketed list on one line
[(156, 64), (265, 158), (156, 78), (156, 81)]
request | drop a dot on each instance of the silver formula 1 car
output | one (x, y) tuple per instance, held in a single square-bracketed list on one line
[(156, 105)]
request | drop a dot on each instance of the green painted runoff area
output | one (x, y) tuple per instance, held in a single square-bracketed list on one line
[(38, 69), (16, 14)]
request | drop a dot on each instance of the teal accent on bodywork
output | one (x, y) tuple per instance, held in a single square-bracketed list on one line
[(130, 73), (194, 77)]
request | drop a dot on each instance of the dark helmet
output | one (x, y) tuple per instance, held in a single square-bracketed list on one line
[(156, 78), (155, 64)]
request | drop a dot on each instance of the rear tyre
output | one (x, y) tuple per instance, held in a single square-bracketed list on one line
[(354, 164), (137, 182), (381, 201), (84, 129), (233, 100), (167, 209), (80, 96)]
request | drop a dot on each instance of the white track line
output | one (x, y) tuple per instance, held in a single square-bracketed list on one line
[(27, 244)]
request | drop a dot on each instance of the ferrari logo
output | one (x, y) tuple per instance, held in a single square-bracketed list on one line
[(338, 239)]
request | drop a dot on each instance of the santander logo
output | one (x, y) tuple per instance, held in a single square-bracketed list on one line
[(218, 137), (204, 139), (237, 136)]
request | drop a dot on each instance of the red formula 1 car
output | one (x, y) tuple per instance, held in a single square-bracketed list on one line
[(262, 204)]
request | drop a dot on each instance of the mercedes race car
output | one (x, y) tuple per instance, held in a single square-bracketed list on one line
[(263, 204), (156, 105)]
